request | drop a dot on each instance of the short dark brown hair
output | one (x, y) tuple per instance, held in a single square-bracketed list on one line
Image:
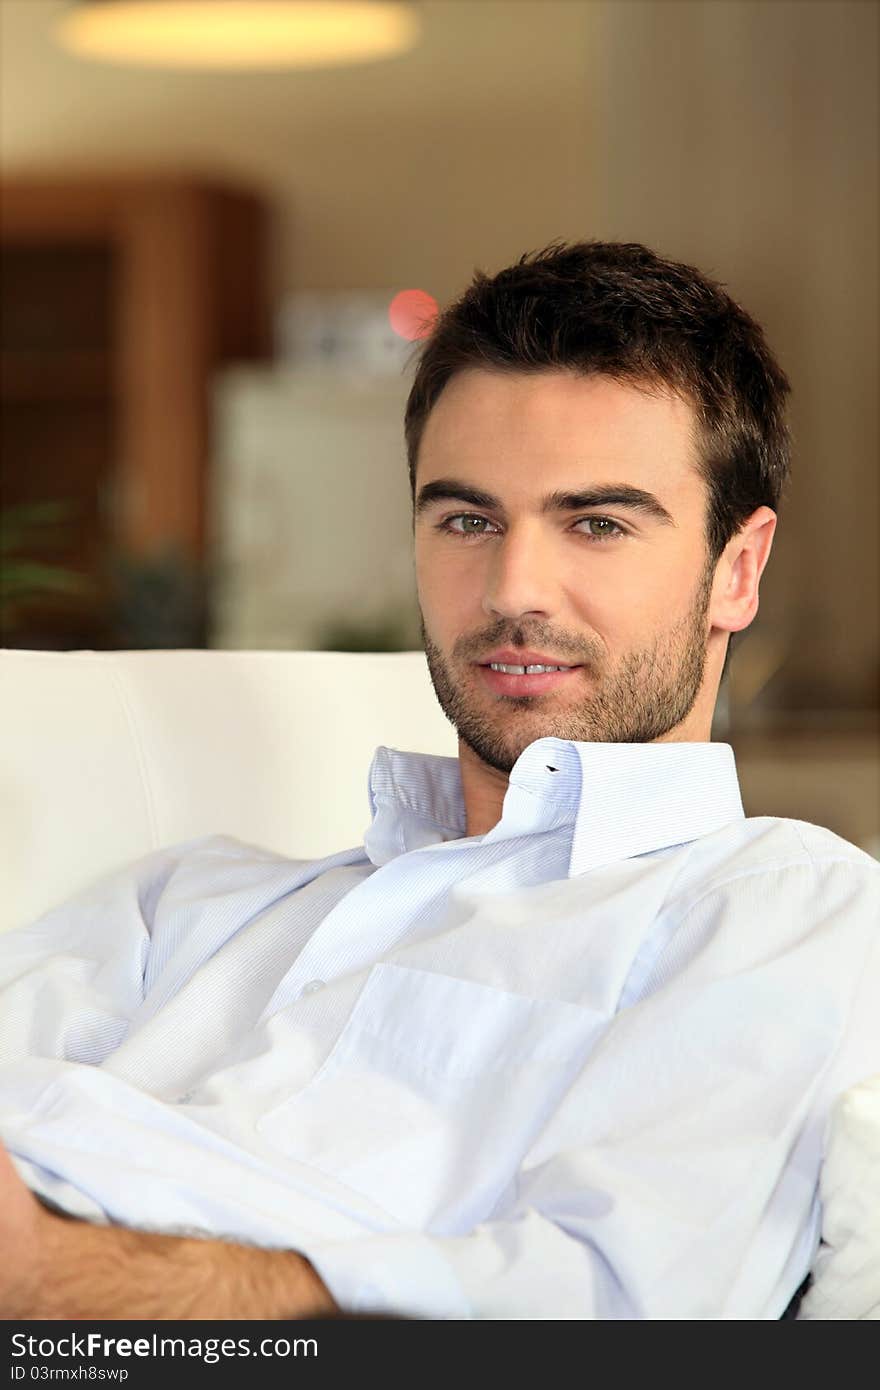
[(617, 309)]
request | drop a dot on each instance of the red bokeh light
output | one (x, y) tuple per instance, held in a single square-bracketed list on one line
[(411, 314)]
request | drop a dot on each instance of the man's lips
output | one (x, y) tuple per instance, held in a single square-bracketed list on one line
[(539, 683)]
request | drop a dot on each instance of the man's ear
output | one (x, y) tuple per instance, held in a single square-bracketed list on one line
[(738, 572)]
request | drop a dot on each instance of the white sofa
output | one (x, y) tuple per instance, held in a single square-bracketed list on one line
[(107, 755)]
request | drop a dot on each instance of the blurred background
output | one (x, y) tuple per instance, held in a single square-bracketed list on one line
[(216, 264)]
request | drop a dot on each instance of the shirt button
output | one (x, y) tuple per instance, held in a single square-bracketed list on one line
[(313, 986)]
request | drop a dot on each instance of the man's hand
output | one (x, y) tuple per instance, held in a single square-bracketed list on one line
[(58, 1268)]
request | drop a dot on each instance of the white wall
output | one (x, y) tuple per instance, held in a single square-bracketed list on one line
[(310, 507)]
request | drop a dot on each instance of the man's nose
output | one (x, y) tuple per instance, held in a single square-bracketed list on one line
[(521, 577)]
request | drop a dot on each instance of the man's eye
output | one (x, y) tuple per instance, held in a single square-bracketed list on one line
[(603, 522), (465, 531)]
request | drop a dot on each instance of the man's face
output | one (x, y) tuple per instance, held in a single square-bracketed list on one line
[(618, 591)]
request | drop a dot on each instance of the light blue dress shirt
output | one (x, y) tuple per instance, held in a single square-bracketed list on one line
[(578, 1067)]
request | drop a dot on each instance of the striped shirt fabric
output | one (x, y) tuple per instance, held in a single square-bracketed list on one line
[(580, 1066)]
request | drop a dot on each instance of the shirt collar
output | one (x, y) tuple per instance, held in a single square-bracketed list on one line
[(621, 799)]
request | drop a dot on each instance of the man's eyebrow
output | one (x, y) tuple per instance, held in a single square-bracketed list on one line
[(602, 495)]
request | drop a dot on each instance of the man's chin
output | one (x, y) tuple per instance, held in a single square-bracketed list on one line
[(502, 753)]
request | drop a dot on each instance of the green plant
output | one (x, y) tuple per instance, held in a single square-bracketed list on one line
[(24, 528)]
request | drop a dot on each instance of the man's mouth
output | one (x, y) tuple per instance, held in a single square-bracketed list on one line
[(524, 670), (505, 678)]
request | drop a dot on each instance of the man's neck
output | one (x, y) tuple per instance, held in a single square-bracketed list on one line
[(483, 789)]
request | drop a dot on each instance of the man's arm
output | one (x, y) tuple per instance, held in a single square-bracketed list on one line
[(56, 1268), (52, 1266)]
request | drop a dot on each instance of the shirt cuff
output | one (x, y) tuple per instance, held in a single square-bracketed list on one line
[(391, 1274), (525, 1267)]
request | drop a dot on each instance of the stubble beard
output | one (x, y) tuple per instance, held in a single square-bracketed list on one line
[(651, 691)]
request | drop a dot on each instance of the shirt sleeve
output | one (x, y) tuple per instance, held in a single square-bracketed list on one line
[(70, 981), (679, 1177)]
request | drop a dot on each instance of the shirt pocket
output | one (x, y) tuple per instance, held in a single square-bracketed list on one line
[(434, 1090)]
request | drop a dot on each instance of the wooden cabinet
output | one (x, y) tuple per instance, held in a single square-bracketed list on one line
[(118, 300)]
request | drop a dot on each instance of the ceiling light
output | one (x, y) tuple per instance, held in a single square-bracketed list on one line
[(235, 34)]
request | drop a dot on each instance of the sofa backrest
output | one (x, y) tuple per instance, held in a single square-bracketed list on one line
[(105, 756)]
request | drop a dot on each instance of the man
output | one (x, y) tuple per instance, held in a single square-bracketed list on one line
[(562, 1038)]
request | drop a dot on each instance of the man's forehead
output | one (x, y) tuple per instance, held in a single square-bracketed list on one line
[(590, 427)]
